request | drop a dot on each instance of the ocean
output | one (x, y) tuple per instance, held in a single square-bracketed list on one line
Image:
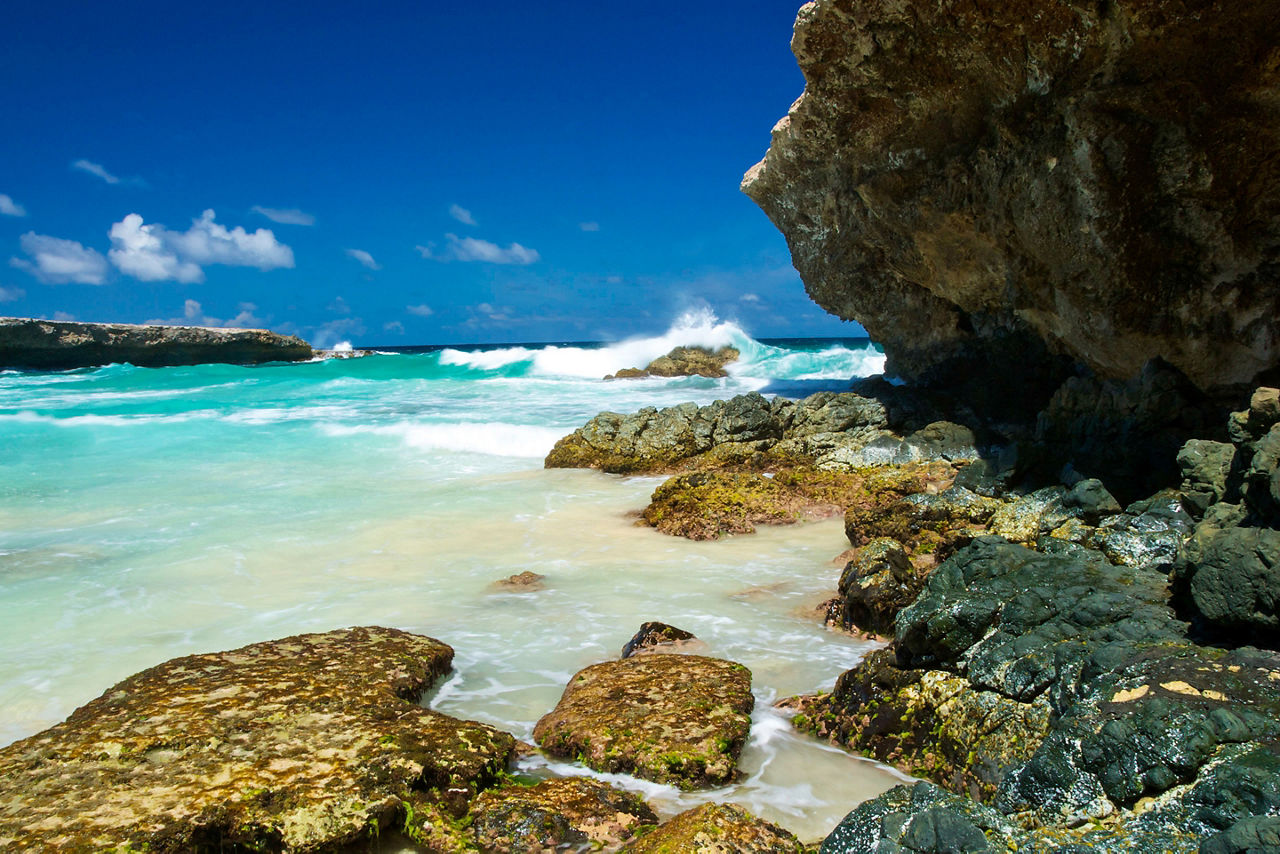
[(152, 513)]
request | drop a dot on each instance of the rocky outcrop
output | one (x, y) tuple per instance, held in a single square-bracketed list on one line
[(574, 813), (717, 829), (50, 345), (998, 192), (300, 744), (678, 719), (684, 362), (656, 637)]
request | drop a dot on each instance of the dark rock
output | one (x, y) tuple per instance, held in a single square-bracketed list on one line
[(557, 814), (1090, 500), (1206, 467), (1253, 835), (1148, 534), (301, 744), (1230, 579), (653, 635), (54, 345), (876, 586), (920, 818), (679, 719), (1062, 188), (716, 829)]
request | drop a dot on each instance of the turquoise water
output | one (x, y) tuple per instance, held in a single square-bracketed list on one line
[(151, 513)]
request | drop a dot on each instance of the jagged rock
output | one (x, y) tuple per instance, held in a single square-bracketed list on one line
[(1206, 468), (299, 744), (920, 818), (986, 186), (716, 829), (556, 814), (876, 586), (679, 719), (684, 362), (60, 345), (653, 635), (1148, 534), (1090, 501), (522, 582)]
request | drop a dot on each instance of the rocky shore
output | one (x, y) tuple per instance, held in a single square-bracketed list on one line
[(53, 345)]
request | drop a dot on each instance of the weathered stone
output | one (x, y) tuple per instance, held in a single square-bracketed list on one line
[(684, 362), (983, 186), (877, 585), (521, 582), (709, 505), (653, 635), (300, 744), (1090, 501), (1148, 534), (716, 829), (920, 818), (1022, 518), (1230, 579), (679, 719), (59, 345), (557, 814), (1206, 468)]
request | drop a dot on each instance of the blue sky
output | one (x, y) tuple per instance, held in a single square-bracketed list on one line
[(396, 173)]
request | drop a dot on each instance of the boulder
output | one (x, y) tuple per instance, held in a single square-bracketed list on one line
[(684, 362), (55, 345), (678, 719), (652, 636), (301, 744), (999, 191), (1230, 580), (876, 585), (716, 829), (557, 814)]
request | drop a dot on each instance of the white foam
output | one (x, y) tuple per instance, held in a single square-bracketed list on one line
[(29, 417), (486, 360), (492, 438)]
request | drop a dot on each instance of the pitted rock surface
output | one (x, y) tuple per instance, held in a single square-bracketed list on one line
[(717, 829), (573, 813), (679, 719), (299, 744)]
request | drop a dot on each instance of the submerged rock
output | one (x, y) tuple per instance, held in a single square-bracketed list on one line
[(557, 814), (299, 744), (54, 345), (717, 829), (679, 719)]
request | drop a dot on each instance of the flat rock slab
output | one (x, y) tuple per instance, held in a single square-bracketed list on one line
[(557, 814), (678, 719), (717, 829), (298, 744)]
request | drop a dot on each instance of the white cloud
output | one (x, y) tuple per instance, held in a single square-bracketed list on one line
[(193, 315), (11, 294), (393, 326), (64, 316), (461, 214), (139, 250), (152, 253), (339, 305), (364, 258), (9, 207), (474, 249), (55, 261), (95, 169), (285, 216), (422, 310), (750, 298), (589, 226)]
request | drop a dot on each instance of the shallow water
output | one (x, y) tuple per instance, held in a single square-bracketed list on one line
[(146, 514)]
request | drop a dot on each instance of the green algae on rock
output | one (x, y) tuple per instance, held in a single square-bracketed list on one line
[(557, 813), (679, 719), (716, 829), (684, 362), (299, 744)]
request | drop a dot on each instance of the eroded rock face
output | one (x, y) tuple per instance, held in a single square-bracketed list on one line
[(997, 190), (60, 345), (679, 719), (298, 744), (684, 362)]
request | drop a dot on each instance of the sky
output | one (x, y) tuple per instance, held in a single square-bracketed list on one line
[(397, 173)]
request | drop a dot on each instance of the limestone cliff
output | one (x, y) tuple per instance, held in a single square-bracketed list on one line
[(1006, 191), (60, 345)]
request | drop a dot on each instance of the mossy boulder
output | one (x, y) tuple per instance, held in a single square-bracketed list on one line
[(678, 719), (556, 814), (717, 829), (299, 744)]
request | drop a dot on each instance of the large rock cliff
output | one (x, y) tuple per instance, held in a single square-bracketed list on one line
[(60, 345), (1005, 192)]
